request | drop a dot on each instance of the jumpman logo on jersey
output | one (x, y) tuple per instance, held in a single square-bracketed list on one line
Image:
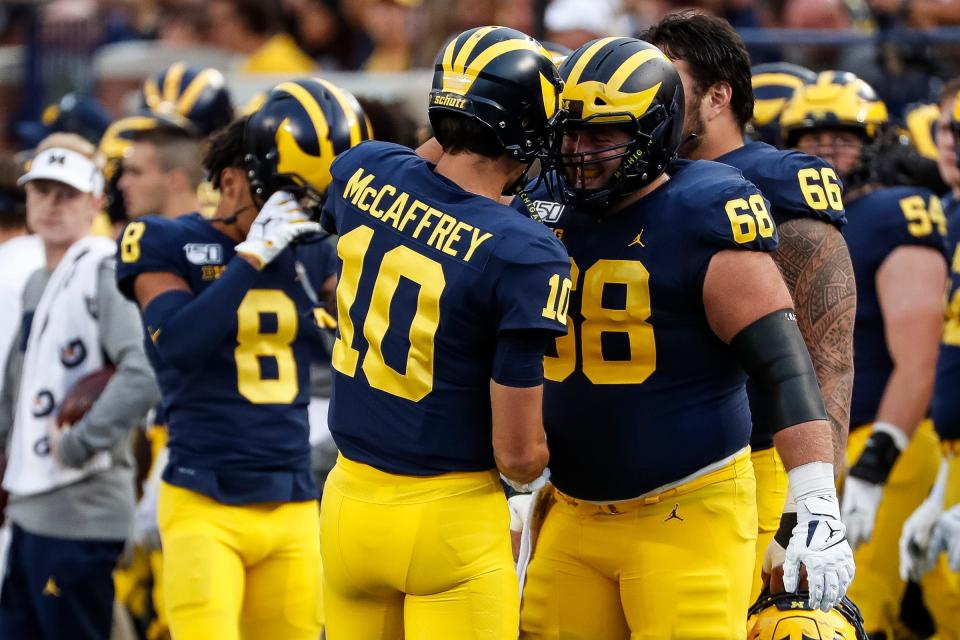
[(673, 514), (51, 588), (637, 240)]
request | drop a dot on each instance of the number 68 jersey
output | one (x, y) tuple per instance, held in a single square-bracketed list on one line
[(237, 422), (641, 393), (430, 276)]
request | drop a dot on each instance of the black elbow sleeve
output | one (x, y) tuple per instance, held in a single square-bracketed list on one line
[(775, 357)]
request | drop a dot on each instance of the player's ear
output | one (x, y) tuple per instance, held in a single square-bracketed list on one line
[(231, 181), (718, 97)]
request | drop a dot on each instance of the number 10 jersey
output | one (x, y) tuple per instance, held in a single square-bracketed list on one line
[(430, 276)]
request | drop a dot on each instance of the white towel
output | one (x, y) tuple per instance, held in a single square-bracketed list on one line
[(64, 345)]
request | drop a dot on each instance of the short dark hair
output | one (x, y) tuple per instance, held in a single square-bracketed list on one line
[(457, 133), (226, 150), (176, 148), (714, 51), (949, 91)]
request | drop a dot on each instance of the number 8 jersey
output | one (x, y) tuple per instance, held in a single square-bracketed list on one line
[(641, 393), (430, 275), (237, 422)]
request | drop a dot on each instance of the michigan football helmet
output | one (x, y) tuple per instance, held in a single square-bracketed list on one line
[(786, 616), (503, 79), (629, 83), (292, 139), (837, 99), (774, 83), (190, 97)]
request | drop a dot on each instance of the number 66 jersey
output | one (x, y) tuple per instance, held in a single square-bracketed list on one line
[(430, 276), (238, 421), (641, 393)]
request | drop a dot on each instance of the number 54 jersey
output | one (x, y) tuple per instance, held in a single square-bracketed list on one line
[(430, 276), (238, 421), (641, 393)]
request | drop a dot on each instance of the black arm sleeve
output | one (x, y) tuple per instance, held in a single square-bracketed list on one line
[(775, 357)]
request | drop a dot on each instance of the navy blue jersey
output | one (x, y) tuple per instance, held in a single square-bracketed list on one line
[(238, 422), (430, 275), (797, 186), (877, 224), (641, 393), (945, 409)]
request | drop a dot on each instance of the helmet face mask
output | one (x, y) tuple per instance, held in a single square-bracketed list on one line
[(578, 165), (627, 83)]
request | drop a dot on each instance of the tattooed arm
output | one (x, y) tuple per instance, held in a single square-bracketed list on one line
[(815, 264)]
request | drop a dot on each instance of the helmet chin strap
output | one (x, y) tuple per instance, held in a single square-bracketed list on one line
[(232, 218)]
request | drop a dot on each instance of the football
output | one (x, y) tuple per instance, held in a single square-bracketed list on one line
[(82, 396)]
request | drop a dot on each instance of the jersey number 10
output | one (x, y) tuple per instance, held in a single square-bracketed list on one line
[(417, 379)]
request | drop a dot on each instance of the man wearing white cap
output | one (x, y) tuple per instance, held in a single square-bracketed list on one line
[(71, 486)]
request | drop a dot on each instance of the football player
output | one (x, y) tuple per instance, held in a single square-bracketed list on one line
[(918, 555), (447, 300), (805, 201), (895, 236), (231, 338), (650, 526)]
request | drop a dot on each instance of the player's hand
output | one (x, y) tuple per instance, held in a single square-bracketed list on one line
[(863, 487), (528, 487), (917, 530), (819, 543), (54, 435), (776, 551), (280, 222), (946, 538), (860, 502), (915, 540)]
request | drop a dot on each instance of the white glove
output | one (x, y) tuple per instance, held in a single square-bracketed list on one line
[(529, 487), (946, 538), (819, 539), (915, 536), (861, 500), (863, 488), (280, 221)]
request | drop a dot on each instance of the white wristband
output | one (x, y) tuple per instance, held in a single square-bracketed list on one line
[(899, 436), (811, 480)]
